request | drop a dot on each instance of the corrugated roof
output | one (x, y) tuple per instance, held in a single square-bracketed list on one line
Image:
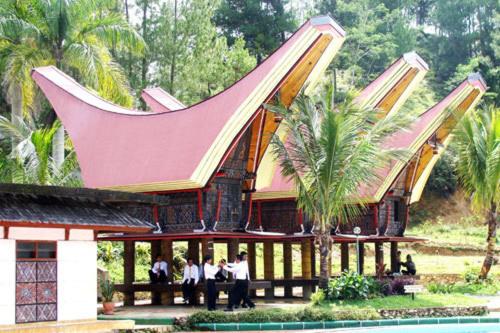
[(53, 209)]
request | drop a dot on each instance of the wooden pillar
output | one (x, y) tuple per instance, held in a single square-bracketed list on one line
[(344, 257), (194, 253), (128, 270), (394, 256), (194, 250), (167, 250), (269, 266), (207, 247), (233, 246), (252, 266), (306, 267), (379, 259), (288, 267), (155, 252), (361, 256), (313, 258)]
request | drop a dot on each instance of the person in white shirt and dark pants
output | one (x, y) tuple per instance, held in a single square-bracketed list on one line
[(209, 272), (240, 288), (159, 272), (189, 282)]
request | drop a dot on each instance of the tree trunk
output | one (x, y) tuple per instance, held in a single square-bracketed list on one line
[(491, 240), (174, 51), (144, 67), (16, 102), (58, 148), (324, 254)]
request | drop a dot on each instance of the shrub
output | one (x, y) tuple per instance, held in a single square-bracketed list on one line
[(397, 285), (351, 285), (441, 288), (206, 316), (309, 313), (318, 297)]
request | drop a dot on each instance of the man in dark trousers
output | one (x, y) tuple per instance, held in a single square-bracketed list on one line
[(159, 272), (247, 302), (242, 276), (190, 281), (209, 272)]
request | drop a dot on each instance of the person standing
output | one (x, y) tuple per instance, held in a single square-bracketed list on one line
[(189, 282), (209, 272), (159, 272), (241, 284), (247, 302)]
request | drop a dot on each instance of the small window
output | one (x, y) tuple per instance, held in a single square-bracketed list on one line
[(26, 250), (47, 250), (36, 250)]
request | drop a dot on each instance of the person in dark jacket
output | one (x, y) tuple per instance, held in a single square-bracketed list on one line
[(411, 269)]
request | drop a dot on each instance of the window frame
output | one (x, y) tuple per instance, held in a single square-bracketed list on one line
[(36, 242)]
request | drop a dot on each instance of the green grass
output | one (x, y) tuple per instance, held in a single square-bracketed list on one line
[(423, 300), (467, 231)]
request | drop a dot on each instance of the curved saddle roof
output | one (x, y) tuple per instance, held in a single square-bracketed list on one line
[(434, 124), (130, 150), (387, 92)]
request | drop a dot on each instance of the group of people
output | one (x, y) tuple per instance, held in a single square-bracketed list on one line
[(239, 292), (238, 295), (411, 269)]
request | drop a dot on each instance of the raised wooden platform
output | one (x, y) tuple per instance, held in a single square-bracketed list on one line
[(177, 287)]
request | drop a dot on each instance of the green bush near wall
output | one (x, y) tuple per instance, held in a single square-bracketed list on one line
[(279, 316)]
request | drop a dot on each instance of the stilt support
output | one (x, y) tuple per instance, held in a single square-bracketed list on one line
[(361, 256), (194, 253), (155, 252), (344, 257), (252, 267), (306, 267), (167, 250), (288, 267), (394, 256), (128, 270), (379, 259), (269, 266)]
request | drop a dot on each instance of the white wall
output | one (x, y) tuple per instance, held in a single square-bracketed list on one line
[(7, 281), (76, 280), (49, 234)]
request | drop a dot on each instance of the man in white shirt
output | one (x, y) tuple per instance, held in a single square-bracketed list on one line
[(159, 272), (209, 272), (247, 302), (240, 268), (189, 282)]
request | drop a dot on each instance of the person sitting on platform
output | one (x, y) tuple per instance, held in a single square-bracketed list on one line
[(159, 271), (209, 272), (189, 282), (411, 269)]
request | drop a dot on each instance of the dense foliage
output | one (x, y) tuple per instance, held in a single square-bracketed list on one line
[(351, 285)]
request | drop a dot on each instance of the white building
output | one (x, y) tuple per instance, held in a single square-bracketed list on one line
[(48, 250)]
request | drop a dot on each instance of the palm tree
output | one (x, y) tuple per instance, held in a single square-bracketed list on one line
[(30, 161), (77, 36), (478, 167), (330, 150)]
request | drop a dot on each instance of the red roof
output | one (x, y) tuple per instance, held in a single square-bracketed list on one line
[(139, 151)]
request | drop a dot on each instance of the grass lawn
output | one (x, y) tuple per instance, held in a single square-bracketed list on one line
[(405, 302)]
